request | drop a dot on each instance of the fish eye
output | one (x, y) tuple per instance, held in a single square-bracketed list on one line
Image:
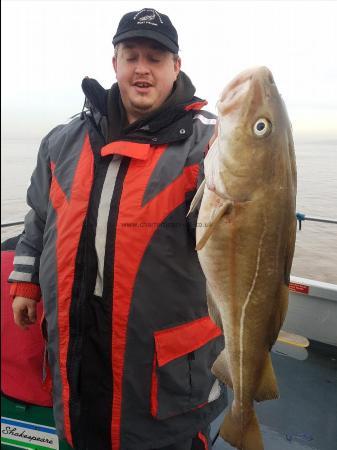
[(262, 127)]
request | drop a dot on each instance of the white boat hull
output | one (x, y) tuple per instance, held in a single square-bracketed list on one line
[(312, 310)]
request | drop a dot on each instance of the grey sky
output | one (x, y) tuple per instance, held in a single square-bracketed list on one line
[(48, 47)]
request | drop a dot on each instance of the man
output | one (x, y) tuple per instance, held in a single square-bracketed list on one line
[(130, 342)]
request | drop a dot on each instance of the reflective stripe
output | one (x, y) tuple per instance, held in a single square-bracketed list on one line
[(25, 260), (215, 391), (204, 120), (20, 276), (102, 220)]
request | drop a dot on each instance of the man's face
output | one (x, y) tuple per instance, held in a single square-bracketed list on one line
[(145, 74)]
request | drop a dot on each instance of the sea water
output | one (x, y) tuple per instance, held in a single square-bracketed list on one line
[(316, 245)]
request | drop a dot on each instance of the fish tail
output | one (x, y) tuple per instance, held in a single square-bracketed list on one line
[(267, 388), (246, 437), (221, 370)]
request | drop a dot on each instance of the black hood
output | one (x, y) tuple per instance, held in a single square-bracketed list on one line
[(169, 123)]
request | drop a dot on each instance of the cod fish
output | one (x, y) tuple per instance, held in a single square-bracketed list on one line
[(245, 241)]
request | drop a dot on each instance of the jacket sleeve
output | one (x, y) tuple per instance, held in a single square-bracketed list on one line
[(27, 290), (207, 132), (192, 218), (29, 247)]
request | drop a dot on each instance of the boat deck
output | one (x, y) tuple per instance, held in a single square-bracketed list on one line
[(305, 416)]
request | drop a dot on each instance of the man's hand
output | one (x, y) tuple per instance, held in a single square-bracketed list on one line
[(24, 310)]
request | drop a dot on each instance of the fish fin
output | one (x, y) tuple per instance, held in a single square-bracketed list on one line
[(249, 438), (290, 252), (213, 309), (197, 198), (216, 215), (267, 389), (221, 370), (279, 314)]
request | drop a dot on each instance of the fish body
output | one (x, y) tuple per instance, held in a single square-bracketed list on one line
[(245, 241)]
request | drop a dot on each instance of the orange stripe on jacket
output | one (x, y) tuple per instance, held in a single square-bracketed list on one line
[(130, 245), (177, 341), (203, 439), (70, 217)]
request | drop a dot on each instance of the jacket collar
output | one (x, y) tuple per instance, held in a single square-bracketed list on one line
[(170, 123)]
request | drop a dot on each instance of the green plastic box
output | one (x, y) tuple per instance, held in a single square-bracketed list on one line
[(28, 427)]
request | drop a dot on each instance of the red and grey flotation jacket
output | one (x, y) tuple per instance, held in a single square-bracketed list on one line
[(130, 342)]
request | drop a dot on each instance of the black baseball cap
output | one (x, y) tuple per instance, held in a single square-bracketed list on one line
[(147, 23)]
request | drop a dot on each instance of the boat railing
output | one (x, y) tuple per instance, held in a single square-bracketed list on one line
[(302, 217), (12, 224), (299, 216)]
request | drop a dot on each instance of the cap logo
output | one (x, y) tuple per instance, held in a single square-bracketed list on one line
[(147, 16)]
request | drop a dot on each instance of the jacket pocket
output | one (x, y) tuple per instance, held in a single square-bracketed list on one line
[(181, 374)]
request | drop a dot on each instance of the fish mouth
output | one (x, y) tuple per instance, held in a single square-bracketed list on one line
[(232, 96), (258, 80)]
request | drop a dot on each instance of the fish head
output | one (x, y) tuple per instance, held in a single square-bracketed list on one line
[(254, 142)]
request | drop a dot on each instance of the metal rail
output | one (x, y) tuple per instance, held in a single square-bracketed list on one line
[(300, 217), (12, 224)]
